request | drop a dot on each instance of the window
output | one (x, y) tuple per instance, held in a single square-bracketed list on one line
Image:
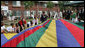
[(45, 5), (26, 13), (6, 2), (5, 12), (17, 13), (34, 12), (39, 4), (16, 3)]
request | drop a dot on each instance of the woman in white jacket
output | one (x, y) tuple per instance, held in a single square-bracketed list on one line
[(59, 16), (55, 15)]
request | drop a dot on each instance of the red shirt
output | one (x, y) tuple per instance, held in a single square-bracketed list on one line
[(20, 22), (25, 22)]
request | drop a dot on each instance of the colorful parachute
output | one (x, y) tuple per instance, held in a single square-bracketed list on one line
[(53, 33)]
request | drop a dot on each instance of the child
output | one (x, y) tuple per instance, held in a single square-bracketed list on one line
[(31, 23), (25, 23), (3, 28), (76, 20), (17, 28), (28, 24), (21, 25), (36, 21), (13, 27)]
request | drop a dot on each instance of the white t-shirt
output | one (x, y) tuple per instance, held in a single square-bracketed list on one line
[(13, 17), (9, 18), (32, 16), (33, 22), (76, 20), (29, 23), (60, 14), (36, 21), (56, 14), (50, 13), (10, 29), (3, 27)]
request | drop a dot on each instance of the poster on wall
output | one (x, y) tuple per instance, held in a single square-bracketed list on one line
[(4, 7)]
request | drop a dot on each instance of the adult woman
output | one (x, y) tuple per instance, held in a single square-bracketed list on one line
[(59, 14), (56, 14), (74, 15)]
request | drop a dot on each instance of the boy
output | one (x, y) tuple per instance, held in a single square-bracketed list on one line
[(11, 28), (3, 28), (21, 25)]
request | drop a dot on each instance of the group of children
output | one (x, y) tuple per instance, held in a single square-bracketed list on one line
[(13, 28), (18, 27), (23, 24)]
